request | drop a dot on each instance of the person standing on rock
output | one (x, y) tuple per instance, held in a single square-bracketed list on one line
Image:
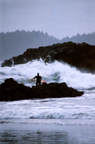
[(38, 79)]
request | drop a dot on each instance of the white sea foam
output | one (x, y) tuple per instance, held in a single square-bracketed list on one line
[(64, 108), (52, 72), (79, 108)]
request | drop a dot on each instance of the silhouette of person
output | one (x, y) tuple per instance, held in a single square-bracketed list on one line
[(38, 79)]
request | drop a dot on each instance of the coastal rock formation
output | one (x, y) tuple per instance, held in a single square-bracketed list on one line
[(10, 90), (82, 56)]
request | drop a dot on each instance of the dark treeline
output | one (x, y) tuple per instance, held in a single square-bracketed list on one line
[(15, 43), (87, 38)]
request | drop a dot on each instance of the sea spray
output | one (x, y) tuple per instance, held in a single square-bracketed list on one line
[(50, 72), (80, 109), (68, 108)]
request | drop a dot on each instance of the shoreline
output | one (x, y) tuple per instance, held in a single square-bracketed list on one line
[(62, 122), (36, 133)]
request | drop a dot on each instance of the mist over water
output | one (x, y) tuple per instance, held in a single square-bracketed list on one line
[(50, 72)]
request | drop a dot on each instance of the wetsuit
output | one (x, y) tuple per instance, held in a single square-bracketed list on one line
[(38, 80)]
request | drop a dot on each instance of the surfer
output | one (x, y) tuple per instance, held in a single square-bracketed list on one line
[(38, 79)]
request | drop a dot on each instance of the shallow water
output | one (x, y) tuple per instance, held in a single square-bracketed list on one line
[(40, 133), (81, 108)]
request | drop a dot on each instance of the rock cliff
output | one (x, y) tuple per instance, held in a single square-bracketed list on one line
[(10, 90), (81, 56)]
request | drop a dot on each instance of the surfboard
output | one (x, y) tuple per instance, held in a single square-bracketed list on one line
[(41, 81)]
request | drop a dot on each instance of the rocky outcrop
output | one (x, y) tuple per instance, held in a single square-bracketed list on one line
[(10, 90), (82, 56)]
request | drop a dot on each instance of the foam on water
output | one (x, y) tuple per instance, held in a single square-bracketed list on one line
[(79, 108), (53, 72)]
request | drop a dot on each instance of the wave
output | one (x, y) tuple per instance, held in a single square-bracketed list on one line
[(74, 108), (50, 72)]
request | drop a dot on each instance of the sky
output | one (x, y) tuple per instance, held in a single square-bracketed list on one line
[(59, 18)]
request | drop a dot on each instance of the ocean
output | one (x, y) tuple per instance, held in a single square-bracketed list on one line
[(53, 120)]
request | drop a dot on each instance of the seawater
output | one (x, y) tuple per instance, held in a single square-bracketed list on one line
[(62, 113), (50, 72), (63, 108)]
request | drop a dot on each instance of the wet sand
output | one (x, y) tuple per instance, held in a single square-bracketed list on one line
[(40, 133)]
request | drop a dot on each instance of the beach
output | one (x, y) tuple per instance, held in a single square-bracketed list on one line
[(46, 132)]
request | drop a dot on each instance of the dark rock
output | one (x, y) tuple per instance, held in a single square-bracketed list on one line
[(10, 90), (82, 56)]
